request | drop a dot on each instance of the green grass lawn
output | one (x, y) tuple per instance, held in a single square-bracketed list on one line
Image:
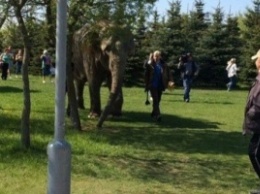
[(197, 148)]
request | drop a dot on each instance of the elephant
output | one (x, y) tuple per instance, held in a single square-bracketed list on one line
[(100, 52)]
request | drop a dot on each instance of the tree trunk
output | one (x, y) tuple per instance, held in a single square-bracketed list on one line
[(50, 39), (73, 107), (25, 121)]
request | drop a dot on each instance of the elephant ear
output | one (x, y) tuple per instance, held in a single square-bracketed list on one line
[(106, 44)]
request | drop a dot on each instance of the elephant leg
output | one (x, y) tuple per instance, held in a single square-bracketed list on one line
[(116, 109), (80, 89), (95, 103), (95, 80)]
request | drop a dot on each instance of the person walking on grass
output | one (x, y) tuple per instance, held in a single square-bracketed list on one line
[(251, 123), (232, 73), (46, 64), (52, 72), (157, 78), (189, 70), (19, 62), (11, 61), (6, 58)]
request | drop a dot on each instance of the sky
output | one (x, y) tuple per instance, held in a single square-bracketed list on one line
[(229, 6)]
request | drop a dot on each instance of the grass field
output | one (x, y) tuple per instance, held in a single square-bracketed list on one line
[(196, 149)]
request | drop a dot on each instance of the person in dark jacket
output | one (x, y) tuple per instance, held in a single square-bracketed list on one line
[(251, 123), (157, 78), (189, 69)]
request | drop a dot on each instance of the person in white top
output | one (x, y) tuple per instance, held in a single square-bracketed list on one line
[(232, 73)]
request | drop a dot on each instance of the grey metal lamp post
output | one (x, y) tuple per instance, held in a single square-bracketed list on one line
[(58, 150)]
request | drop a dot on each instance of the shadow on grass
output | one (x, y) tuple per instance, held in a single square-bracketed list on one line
[(152, 149), (211, 102), (168, 121), (12, 152), (167, 156), (177, 140), (177, 134), (201, 102), (10, 89), (138, 129), (154, 152), (172, 94), (10, 139)]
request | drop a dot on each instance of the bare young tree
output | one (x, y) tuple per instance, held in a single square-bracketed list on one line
[(17, 6)]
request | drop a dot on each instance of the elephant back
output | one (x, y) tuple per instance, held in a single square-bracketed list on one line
[(94, 41), (95, 36), (77, 56)]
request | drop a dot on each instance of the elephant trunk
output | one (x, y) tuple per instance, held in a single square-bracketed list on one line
[(107, 109), (116, 87)]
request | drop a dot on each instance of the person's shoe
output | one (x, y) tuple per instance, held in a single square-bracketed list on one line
[(255, 192), (187, 100), (228, 87), (43, 81)]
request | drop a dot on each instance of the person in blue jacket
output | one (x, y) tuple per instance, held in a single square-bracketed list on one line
[(157, 78)]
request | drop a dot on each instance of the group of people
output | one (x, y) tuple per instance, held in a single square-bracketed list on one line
[(7, 59), (158, 77), (157, 74)]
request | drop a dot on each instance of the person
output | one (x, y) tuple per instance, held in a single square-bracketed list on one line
[(157, 78), (189, 69), (6, 57), (232, 73), (251, 124), (19, 62), (46, 64), (52, 72), (11, 61)]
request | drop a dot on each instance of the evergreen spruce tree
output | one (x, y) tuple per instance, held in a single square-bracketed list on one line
[(233, 41), (174, 37), (195, 27), (134, 68), (212, 52), (251, 40), (155, 36)]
